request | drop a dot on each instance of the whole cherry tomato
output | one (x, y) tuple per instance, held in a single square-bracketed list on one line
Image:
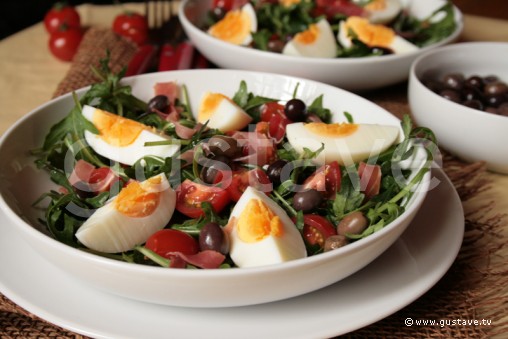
[(64, 43), (61, 14), (132, 25)]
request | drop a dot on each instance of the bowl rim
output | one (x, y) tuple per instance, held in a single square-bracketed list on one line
[(448, 51), (459, 21), (29, 230)]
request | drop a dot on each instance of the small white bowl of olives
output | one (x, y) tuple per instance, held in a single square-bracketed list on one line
[(461, 92)]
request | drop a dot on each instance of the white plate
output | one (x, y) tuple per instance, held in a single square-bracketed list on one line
[(401, 275)]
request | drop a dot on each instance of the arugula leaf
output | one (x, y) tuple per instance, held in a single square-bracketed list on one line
[(316, 107)]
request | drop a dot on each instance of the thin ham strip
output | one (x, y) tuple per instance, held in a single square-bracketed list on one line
[(81, 172), (205, 259), (169, 89)]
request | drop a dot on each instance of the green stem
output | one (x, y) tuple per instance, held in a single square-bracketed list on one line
[(153, 256)]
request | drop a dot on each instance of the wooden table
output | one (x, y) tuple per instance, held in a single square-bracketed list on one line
[(30, 74)]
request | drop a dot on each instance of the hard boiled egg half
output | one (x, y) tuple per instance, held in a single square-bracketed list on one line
[(139, 210), (382, 11), (317, 41), (372, 35), (345, 143), (123, 140), (261, 233), (222, 113), (237, 26)]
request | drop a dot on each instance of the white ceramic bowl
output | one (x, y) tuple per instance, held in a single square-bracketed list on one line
[(21, 184), (470, 134), (353, 74)]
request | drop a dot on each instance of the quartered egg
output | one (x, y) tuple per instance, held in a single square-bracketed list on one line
[(139, 210), (317, 41), (222, 113), (345, 143), (123, 140), (237, 26), (372, 35), (382, 11), (261, 233)]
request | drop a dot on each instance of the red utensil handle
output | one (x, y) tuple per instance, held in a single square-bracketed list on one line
[(141, 61), (176, 57)]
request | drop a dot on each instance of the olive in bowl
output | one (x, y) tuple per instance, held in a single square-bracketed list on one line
[(468, 133)]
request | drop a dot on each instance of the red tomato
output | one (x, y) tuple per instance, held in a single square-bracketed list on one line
[(316, 229), (61, 14), (326, 179), (338, 7), (64, 43), (132, 25), (273, 113), (370, 179), (167, 241), (190, 195), (244, 178)]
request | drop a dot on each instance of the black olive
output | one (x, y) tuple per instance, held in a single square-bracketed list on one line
[(496, 88), (274, 171), (295, 110), (353, 223), (276, 45), (454, 81), (212, 166), (212, 237), (451, 95), (475, 82), (158, 103), (224, 146), (307, 200), (503, 109), (475, 104), (335, 241)]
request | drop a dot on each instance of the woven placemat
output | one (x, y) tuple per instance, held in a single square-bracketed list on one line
[(474, 287)]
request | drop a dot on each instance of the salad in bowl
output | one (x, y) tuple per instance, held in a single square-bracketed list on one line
[(168, 181)]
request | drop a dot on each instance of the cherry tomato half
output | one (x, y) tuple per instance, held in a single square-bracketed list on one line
[(316, 229), (370, 179), (167, 241), (61, 14), (64, 43), (244, 178), (103, 178), (191, 195), (326, 179), (131, 25)]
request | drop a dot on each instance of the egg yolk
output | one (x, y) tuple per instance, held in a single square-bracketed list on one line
[(116, 130), (308, 36), (287, 3), (376, 5), (331, 130), (209, 105), (369, 34), (257, 221), (233, 28), (138, 200)]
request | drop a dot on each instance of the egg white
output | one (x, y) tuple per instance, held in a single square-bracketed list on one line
[(226, 117), (386, 15), (246, 11), (270, 250), (109, 231), (131, 153), (323, 47), (368, 140), (398, 45)]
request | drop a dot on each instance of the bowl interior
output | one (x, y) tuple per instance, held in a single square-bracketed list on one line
[(21, 184), (471, 134), (347, 73)]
